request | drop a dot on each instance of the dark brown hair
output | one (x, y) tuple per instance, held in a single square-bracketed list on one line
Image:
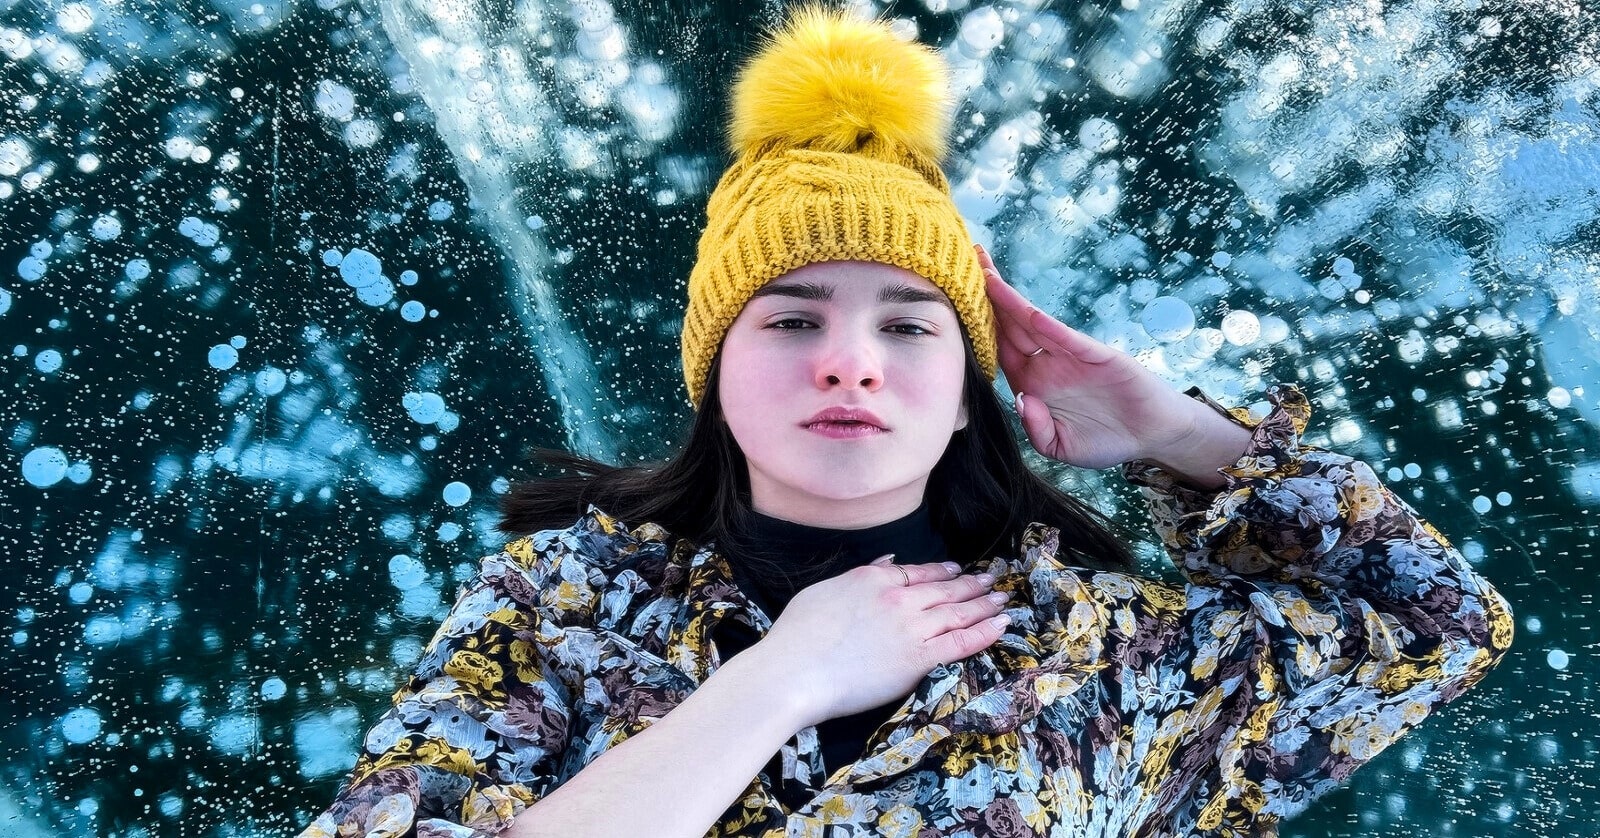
[(981, 493)]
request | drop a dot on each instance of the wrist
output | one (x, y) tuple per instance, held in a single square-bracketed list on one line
[(1211, 442), (760, 674)]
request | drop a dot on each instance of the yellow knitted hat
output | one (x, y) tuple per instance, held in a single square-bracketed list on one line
[(838, 128)]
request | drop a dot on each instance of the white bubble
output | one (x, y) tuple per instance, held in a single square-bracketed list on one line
[(1241, 327), (15, 155), (362, 133), (334, 100), (360, 268), (457, 493), (1558, 397), (1503, 498), (199, 231), (31, 268), (982, 30), (1099, 135), (47, 361), (1343, 267), (80, 593), (1167, 319), (178, 148), (273, 689), (1481, 504), (1557, 659), (377, 294), (137, 269), (270, 381), (222, 357), (44, 467), (75, 18), (411, 312), (406, 572), (440, 210), (102, 630), (408, 277), (423, 408), (1221, 259), (449, 531), (106, 227), (235, 733), (80, 725)]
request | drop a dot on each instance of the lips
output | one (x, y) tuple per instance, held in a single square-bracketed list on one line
[(844, 417)]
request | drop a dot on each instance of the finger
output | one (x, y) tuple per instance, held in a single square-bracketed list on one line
[(1013, 339), (1054, 335), (1037, 423), (929, 572), (1006, 300), (964, 642)]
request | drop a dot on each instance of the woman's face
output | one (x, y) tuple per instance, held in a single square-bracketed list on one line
[(851, 334)]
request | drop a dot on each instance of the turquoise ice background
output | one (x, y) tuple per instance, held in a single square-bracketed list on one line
[(288, 288)]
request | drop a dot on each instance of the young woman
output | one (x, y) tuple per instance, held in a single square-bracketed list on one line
[(846, 607)]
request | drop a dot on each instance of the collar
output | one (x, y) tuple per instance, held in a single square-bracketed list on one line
[(992, 692)]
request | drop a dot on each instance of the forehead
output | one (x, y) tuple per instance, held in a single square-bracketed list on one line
[(818, 281)]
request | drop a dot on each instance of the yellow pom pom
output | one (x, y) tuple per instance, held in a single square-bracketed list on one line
[(832, 82)]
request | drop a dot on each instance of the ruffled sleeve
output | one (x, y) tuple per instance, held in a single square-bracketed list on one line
[(475, 734), (1322, 620)]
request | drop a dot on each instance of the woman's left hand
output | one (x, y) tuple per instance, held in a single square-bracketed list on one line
[(1081, 402)]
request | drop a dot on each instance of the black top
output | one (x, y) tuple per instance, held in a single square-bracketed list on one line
[(822, 553)]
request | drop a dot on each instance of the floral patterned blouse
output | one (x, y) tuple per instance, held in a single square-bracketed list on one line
[(1321, 620)]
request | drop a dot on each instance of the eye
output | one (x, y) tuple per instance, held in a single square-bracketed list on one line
[(778, 324), (919, 330)]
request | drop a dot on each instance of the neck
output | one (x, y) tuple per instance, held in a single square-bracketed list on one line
[(835, 513)]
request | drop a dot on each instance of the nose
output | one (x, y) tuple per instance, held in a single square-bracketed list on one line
[(849, 359)]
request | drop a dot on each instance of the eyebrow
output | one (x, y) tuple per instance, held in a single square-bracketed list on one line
[(824, 293)]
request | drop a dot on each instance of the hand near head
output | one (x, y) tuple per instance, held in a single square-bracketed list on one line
[(1081, 402)]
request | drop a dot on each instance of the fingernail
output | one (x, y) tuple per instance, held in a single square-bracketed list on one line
[(985, 579), (1001, 620), (952, 567), (887, 557), (998, 597)]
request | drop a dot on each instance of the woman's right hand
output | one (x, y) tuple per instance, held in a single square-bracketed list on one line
[(864, 638)]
